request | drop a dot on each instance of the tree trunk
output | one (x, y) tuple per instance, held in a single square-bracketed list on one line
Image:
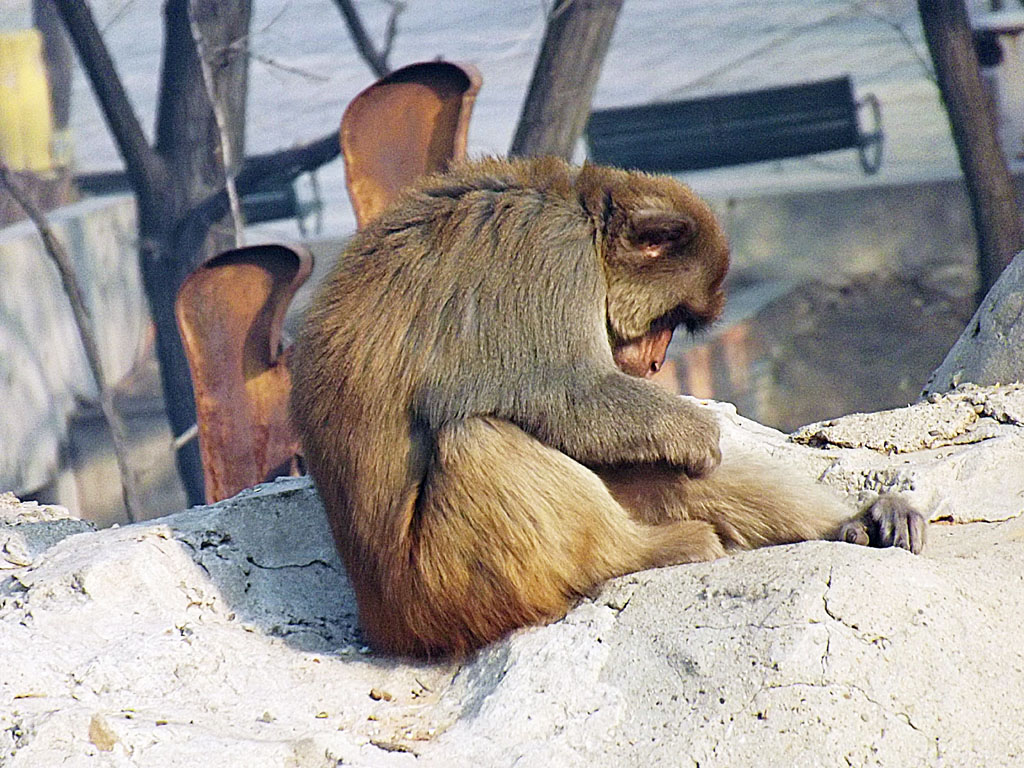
[(997, 216), (558, 101), (58, 54), (179, 183), (176, 176), (187, 141)]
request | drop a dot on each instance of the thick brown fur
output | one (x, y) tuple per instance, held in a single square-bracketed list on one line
[(482, 460)]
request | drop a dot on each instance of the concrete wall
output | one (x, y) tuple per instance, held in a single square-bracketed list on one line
[(920, 227), (43, 372)]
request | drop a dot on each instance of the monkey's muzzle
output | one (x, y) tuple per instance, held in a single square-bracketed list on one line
[(643, 357)]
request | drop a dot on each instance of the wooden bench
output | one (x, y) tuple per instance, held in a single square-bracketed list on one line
[(737, 128)]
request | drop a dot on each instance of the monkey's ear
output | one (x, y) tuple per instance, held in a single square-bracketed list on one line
[(653, 227)]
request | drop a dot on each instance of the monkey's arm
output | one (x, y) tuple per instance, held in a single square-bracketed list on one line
[(609, 418)]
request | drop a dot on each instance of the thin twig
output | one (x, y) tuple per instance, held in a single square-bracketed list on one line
[(290, 69), (240, 42), (898, 28), (559, 9), (222, 127), (277, 17), (118, 15), (376, 60), (391, 28), (69, 280), (757, 52), (185, 437)]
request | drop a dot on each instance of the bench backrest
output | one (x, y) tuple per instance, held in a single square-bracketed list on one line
[(729, 129)]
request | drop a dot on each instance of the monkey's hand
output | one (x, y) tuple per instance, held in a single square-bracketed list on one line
[(690, 440), (615, 420), (889, 522)]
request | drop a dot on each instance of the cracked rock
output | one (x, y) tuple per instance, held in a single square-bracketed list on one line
[(28, 528), (921, 426), (227, 635), (990, 351)]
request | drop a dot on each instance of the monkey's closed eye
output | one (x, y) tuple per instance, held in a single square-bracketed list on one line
[(655, 227)]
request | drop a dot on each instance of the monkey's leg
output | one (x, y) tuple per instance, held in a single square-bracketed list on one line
[(752, 504), (507, 532)]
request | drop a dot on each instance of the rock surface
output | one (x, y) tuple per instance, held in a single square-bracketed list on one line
[(226, 635), (991, 349), (28, 529)]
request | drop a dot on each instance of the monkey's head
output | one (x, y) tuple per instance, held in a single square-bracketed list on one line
[(664, 258)]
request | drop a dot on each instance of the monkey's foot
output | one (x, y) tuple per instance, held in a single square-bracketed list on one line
[(889, 522)]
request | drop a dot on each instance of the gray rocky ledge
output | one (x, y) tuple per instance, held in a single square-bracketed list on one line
[(226, 635), (991, 349)]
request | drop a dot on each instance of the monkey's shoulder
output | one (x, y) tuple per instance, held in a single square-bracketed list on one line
[(548, 175)]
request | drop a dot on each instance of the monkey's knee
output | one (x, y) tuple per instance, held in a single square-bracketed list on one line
[(889, 521), (652, 494)]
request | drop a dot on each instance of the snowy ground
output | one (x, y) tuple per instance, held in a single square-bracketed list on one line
[(305, 70)]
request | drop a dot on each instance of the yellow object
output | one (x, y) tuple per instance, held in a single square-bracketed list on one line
[(26, 124)]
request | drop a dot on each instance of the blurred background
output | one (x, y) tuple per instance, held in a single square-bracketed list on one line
[(847, 288)]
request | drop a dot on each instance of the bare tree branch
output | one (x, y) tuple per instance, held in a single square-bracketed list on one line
[(69, 280), (227, 163), (289, 68), (899, 29), (260, 169), (288, 163), (377, 60), (145, 168)]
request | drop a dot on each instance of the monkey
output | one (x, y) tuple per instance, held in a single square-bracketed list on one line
[(470, 392)]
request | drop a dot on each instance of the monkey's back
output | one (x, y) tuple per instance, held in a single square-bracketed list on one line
[(446, 299), (435, 313), (452, 380)]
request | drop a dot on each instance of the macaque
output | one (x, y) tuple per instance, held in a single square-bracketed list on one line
[(469, 389)]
